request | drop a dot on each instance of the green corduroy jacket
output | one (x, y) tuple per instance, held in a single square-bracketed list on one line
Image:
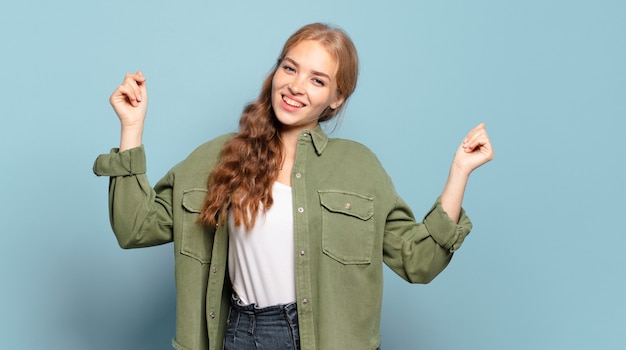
[(348, 221)]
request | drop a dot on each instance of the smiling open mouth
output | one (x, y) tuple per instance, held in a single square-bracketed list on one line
[(292, 103)]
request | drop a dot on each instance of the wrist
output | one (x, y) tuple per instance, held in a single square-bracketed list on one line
[(459, 172), (131, 137)]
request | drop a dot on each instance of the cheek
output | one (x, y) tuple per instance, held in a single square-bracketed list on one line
[(278, 80), (323, 99), (274, 89)]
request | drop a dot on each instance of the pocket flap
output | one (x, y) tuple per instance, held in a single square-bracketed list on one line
[(193, 199), (352, 204)]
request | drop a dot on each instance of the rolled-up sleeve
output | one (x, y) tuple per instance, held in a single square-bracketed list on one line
[(116, 163), (140, 215), (446, 232), (419, 251)]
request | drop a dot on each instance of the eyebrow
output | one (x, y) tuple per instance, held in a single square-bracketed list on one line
[(314, 71)]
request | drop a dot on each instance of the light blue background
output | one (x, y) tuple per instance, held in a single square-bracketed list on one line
[(544, 265)]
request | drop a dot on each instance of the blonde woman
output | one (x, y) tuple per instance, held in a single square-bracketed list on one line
[(280, 232)]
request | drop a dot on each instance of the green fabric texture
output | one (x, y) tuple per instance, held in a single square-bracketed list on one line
[(348, 221)]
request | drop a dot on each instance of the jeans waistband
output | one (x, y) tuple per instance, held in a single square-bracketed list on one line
[(254, 309)]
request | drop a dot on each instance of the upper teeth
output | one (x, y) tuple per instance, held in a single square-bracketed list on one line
[(292, 102)]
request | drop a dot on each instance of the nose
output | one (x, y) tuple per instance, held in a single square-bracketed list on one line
[(296, 86)]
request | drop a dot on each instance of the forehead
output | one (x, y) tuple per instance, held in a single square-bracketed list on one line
[(312, 55)]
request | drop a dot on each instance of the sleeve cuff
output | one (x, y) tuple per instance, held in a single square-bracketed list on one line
[(446, 232), (116, 163)]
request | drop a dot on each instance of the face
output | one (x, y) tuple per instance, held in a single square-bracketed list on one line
[(304, 86)]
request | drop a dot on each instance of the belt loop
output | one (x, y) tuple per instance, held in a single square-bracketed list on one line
[(252, 325)]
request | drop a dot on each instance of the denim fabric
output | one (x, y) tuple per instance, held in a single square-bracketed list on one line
[(269, 328)]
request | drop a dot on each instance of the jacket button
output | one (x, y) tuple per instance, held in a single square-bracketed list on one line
[(215, 270), (305, 301), (298, 175), (300, 210), (212, 315), (302, 253)]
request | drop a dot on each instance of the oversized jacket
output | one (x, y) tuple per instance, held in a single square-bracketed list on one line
[(348, 220)]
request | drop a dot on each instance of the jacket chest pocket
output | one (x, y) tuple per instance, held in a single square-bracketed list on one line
[(347, 226), (197, 241)]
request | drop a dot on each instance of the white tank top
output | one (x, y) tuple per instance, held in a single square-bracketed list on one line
[(261, 261)]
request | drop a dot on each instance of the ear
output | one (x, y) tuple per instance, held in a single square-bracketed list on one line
[(337, 103)]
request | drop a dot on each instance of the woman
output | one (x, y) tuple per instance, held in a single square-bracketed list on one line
[(280, 232)]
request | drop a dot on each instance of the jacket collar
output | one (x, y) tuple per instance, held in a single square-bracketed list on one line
[(319, 137)]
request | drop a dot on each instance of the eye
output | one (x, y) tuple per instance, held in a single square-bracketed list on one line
[(319, 82), (289, 69)]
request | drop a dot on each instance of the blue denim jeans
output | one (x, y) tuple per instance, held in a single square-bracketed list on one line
[(268, 328)]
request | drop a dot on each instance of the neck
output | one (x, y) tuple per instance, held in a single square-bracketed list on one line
[(289, 143), (289, 138)]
